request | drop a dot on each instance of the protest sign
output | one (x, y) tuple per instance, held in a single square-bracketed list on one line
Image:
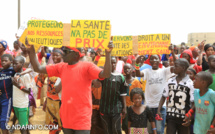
[(101, 62), (45, 33), (154, 44), (122, 46), (23, 36), (90, 33), (22, 40), (22, 28)]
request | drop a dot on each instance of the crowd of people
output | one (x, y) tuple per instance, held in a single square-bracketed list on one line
[(137, 94)]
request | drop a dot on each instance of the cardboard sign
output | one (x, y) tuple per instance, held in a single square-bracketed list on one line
[(135, 44), (90, 33), (101, 62), (122, 46), (45, 33), (154, 44), (22, 40), (66, 34), (23, 36), (22, 28)]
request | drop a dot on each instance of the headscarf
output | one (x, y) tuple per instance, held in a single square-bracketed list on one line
[(189, 52), (164, 57), (58, 51), (50, 60), (192, 48), (148, 61)]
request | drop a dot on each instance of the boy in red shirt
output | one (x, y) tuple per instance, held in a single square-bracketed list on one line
[(76, 77)]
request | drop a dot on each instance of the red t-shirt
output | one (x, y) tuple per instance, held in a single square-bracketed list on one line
[(76, 108)]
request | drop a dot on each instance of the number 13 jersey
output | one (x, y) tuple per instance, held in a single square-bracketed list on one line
[(180, 97)]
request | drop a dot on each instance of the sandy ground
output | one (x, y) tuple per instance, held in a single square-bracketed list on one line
[(37, 119)]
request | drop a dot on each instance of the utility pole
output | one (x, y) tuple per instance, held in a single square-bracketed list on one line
[(18, 14)]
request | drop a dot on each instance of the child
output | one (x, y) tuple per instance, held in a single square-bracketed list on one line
[(138, 114), (211, 63), (6, 89), (21, 89), (16, 50), (192, 73), (171, 61), (180, 90), (155, 83), (113, 101), (132, 83), (204, 100)]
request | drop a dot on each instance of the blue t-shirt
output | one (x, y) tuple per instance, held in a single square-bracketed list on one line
[(204, 110), (6, 85)]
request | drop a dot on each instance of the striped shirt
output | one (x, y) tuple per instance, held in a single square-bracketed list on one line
[(112, 89)]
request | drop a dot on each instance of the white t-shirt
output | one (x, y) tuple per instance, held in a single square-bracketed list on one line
[(155, 84), (20, 98)]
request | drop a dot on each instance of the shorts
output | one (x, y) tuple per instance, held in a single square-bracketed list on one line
[(96, 125), (5, 110), (22, 115), (160, 125), (173, 127), (111, 123)]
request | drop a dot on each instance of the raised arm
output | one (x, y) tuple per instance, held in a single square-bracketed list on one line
[(137, 67), (107, 67), (33, 59), (201, 47), (173, 55)]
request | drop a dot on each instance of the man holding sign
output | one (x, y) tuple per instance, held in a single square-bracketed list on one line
[(76, 77)]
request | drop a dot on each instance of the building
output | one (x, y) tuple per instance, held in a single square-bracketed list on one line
[(196, 38)]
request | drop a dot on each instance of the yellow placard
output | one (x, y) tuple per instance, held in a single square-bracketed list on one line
[(45, 33), (90, 33), (154, 44), (23, 36), (101, 62), (22, 40), (122, 46)]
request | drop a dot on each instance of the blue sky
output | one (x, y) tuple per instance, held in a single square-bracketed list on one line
[(136, 17)]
